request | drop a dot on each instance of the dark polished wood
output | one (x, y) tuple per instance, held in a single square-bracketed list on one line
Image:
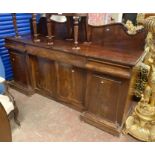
[(71, 84), (49, 29), (75, 17), (18, 63), (76, 32), (96, 79), (5, 129), (15, 25), (69, 28), (64, 30), (115, 36), (107, 91), (20, 69), (44, 75), (34, 23)]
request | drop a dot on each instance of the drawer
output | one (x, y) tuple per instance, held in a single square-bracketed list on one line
[(15, 46), (59, 56), (109, 68)]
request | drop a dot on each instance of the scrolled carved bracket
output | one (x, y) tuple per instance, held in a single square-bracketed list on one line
[(132, 30)]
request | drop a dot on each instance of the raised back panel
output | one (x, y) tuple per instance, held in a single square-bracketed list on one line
[(116, 36)]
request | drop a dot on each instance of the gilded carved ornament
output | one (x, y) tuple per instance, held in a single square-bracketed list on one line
[(131, 28), (141, 124)]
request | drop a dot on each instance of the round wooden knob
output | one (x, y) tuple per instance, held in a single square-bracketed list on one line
[(102, 82), (107, 29), (73, 71), (13, 59)]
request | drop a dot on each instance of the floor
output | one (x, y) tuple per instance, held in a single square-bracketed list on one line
[(43, 119)]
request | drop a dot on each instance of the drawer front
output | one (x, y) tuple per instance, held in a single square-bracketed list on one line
[(109, 68), (59, 56), (15, 46)]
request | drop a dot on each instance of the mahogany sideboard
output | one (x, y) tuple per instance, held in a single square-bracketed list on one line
[(96, 80)]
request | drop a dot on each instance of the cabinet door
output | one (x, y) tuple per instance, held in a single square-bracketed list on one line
[(102, 96), (45, 75), (78, 85), (19, 66), (70, 84), (64, 80)]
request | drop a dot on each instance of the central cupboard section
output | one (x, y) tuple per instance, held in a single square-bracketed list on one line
[(59, 80)]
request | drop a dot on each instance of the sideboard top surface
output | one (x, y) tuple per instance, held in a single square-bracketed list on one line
[(127, 57)]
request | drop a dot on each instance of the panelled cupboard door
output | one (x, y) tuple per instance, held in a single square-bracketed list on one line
[(18, 61), (63, 80), (71, 84), (45, 75), (102, 96), (78, 85)]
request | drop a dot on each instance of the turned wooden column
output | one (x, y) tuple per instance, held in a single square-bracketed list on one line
[(15, 25), (49, 29), (76, 32), (34, 23)]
